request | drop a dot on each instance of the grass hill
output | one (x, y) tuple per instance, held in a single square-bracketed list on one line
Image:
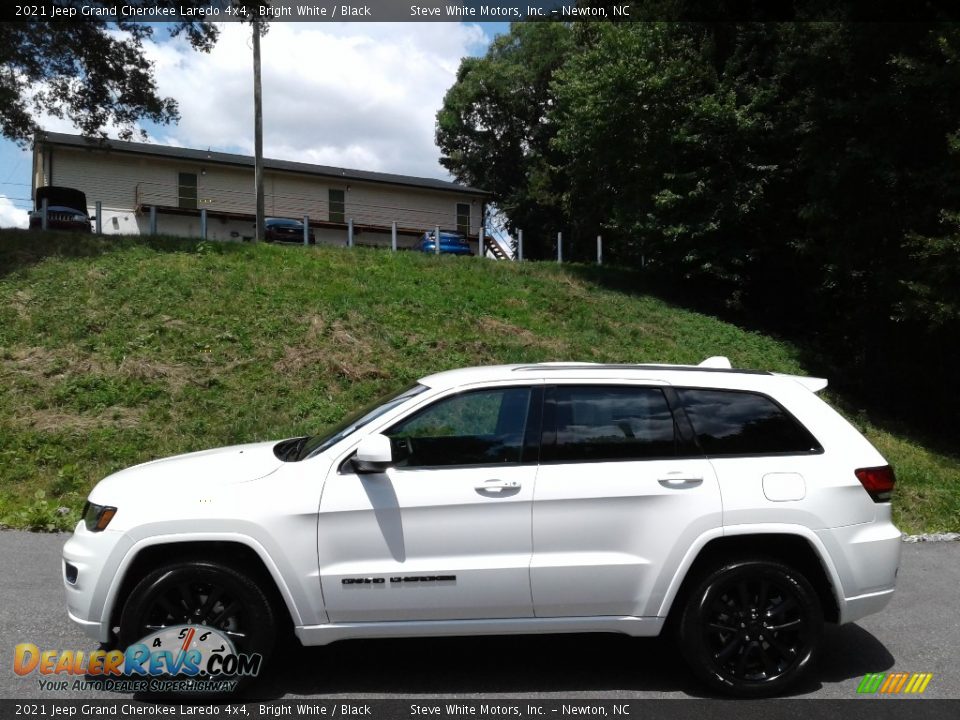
[(115, 351)]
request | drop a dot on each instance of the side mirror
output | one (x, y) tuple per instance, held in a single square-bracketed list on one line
[(374, 455)]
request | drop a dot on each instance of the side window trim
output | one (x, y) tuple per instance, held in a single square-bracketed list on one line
[(687, 445), (530, 452)]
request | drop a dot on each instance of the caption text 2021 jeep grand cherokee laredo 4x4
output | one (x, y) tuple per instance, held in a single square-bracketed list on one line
[(544, 498)]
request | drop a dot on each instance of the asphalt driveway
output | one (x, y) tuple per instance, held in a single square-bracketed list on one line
[(919, 632)]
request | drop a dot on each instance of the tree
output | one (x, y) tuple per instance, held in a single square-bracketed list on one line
[(87, 72), (494, 129), (804, 175)]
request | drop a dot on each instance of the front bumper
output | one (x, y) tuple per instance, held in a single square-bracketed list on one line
[(91, 559)]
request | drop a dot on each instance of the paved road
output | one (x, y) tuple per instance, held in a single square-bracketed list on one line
[(919, 631)]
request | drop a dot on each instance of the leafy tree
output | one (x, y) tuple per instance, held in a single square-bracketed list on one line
[(805, 175), (89, 72), (495, 127)]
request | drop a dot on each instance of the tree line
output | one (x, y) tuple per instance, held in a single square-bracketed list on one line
[(803, 175)]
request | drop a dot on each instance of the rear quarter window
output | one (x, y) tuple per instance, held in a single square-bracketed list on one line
[(732, 422)]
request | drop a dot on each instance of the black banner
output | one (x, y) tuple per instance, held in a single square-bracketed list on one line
[(516, 708), (477, 10)]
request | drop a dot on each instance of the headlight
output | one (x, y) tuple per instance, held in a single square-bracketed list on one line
[(97, 517)]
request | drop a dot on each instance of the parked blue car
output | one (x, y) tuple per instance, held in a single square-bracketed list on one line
[(452, 243)]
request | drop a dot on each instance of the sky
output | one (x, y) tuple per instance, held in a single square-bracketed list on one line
[(354, 95)]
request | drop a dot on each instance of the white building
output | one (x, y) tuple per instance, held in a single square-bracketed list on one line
[(129, 179)]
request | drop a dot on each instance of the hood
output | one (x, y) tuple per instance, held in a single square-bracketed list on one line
[(61, 196), (191, 473)]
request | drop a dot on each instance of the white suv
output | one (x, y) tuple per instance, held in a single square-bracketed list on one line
[(733, 507)]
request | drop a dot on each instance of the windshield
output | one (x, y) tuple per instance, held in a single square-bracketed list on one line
[(316, 444)]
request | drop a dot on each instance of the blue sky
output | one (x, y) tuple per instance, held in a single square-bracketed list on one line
[(358, 95)]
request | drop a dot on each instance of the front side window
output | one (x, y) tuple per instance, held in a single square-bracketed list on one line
[(597, 423), (730, 422), (337, 203), (480, 427)]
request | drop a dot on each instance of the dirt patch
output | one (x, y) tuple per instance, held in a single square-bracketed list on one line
[(46, 367), (503, 330), (575, 286), (174, 375), (21, 301), (43, 364), (170, 322), (334, 347), (56, 420)]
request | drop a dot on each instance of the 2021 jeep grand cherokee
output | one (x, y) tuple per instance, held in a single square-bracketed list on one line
[(542, 498)]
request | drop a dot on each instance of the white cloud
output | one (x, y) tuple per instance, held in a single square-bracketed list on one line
[(12, 216), (355, 95), (360, 95)]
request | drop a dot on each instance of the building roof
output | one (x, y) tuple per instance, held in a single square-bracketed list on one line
[(211, 156)]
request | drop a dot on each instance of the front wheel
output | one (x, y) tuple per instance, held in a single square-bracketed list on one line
[(751, 628), (206, 594)]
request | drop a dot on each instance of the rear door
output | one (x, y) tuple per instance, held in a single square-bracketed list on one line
[(621, 495)]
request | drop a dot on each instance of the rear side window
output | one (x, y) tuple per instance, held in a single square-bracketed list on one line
[(729, 422), (596, 423)]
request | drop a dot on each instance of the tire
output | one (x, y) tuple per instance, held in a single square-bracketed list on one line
[(180, 594), (751, 628)]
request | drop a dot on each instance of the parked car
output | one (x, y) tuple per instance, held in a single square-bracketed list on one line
[(732, 507), (66, 209), (451, 243), (286, 230)]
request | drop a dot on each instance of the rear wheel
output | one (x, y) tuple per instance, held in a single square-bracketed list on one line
[(751, 628)]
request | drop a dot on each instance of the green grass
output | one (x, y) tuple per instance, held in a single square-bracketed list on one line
[(116, 351)]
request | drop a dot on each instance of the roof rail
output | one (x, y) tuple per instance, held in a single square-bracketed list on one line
[(629, 366)]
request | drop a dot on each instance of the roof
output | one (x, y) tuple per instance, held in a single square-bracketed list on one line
[(707, 373), (211, 156)]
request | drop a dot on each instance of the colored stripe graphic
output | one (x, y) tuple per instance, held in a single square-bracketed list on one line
[(894, 683), (870, 683), (918, 683)]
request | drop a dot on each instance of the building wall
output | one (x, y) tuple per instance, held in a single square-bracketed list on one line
[(128, 184)]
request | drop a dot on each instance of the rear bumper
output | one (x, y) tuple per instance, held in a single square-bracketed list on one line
[(866, 558), (863, 605)]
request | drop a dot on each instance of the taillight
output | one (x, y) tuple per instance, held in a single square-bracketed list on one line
[(878, 481)]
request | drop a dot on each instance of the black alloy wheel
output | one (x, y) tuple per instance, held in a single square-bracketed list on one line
[(752, 628), (200, 593)]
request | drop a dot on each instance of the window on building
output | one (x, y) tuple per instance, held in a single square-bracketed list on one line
[(337, 202), (729, 422), (481, 427), (596, 423), (463, 218), (187, 191)]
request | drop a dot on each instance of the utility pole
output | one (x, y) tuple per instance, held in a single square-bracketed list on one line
[(258, 129)]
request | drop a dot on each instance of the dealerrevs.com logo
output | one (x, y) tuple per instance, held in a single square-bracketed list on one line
[(182, 658), (894, 683)]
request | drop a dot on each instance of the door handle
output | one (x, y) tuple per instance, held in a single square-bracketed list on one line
[(680, 480), (497, 486)]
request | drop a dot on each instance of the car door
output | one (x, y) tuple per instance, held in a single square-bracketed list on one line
[(445, 532), (621, 495)]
